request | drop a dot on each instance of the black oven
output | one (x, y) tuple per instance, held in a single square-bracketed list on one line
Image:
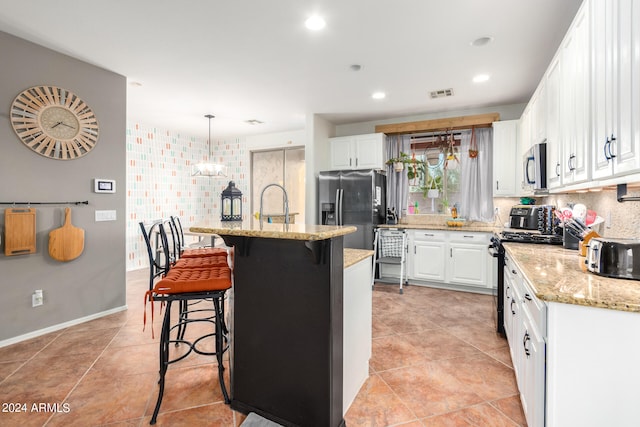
[(497, 251)]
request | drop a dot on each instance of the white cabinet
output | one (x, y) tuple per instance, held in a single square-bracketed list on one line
[(454, 259), (554, 146), (524, 143), (575, 100), (427, 255), (616, 88), (505, 149), (538, 103), (357, 152), (357, 312), (525, 327), (468, 258)]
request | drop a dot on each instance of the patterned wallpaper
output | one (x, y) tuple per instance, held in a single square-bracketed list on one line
[(159, 181)]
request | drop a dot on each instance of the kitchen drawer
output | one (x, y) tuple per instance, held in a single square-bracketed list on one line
[(429, 235), (536, 308), (469, 237)]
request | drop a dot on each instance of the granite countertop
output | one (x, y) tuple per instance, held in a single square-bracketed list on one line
[(480, 227), (559, 275), (273, 230), (353, 256)]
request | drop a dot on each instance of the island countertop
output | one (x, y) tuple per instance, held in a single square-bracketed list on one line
[(353, 256), (558, 275), (274, 231)]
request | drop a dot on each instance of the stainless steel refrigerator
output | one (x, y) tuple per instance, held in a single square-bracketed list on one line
[(353, 198)]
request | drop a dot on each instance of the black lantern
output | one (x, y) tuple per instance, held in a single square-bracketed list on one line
[(231, 203)]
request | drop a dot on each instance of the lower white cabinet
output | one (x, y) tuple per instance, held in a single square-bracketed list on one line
[(468, 258), (450, 257), (357, 311), (427, 255), (524, 321)]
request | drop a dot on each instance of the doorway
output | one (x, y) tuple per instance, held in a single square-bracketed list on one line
[(284, 166)]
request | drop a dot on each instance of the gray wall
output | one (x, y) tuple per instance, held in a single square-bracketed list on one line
[(94, 283)]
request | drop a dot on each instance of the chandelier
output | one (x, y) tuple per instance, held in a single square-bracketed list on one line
[(209, 169)]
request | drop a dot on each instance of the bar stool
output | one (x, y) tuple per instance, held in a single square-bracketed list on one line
[(184, 285), (185, 252)]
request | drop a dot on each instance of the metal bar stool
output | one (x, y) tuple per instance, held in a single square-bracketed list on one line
[(184, 285)]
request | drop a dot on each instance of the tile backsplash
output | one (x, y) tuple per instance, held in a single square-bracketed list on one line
[(621, 219)]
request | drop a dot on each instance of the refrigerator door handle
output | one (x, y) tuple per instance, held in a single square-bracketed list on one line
[(337, 213), (340, 212)]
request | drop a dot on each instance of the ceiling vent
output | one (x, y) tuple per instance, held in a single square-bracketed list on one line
[(442, 93), (254, 122)]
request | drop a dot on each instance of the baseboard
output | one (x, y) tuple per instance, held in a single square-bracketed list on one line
[(60, 326)]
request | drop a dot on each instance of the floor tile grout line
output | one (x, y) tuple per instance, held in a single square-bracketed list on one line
[(86, 372)]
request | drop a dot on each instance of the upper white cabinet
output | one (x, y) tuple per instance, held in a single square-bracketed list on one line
[(554, 147), (357, 152), (505, 149), (524, 143), (575, 101), (615, 44)]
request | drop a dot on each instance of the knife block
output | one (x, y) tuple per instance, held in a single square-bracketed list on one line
[(569, 241)]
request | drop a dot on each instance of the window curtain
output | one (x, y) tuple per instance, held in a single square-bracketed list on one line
[(476, 191), (397, 182)]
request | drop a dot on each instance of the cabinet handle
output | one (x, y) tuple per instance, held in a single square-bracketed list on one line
[(349, 161), (506, 292), (527, 297), (497, 185), (451, 252), (428, 235), (610, 143), (414, 250), (526, 338), (558, 169), (468, 237), (511, 306), (514, 271), (607, 144), (356, 162), (570, 163)]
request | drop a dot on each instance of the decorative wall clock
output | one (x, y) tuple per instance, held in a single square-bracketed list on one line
[(54, 122)]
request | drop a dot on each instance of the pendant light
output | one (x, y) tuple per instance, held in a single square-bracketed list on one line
[(209, 169)]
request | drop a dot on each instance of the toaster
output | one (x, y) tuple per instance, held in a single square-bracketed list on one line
[(619, 258)]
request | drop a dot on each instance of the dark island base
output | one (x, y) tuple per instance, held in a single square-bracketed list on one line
[(286, 355)]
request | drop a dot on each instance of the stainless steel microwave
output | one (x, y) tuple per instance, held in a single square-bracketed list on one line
[(534, 165)]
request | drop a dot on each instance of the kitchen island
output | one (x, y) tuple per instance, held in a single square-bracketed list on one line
[(287, 320)]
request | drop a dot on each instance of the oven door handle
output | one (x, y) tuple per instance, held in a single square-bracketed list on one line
[(491, 252)]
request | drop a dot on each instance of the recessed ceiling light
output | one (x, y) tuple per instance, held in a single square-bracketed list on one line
[(481, 78), (315, 23), (481, 41), (134, 83), (378, 95), (254, 122), (355, 67)]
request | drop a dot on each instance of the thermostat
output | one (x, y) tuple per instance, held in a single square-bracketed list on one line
[(104, 185)]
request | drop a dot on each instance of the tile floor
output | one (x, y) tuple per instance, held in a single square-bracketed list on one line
[(436, 362)]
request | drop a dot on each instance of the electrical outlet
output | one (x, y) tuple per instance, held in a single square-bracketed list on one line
[(37, 298)]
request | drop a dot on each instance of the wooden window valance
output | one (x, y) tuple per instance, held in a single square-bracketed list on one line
[(437, 125)]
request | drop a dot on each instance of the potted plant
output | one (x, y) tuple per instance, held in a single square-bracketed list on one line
[(398, 162)]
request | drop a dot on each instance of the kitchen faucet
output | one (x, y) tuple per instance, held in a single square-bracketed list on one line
[(286, 202)]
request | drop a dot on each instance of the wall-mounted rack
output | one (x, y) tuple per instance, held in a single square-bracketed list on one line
[(85, 202), (622, 194)]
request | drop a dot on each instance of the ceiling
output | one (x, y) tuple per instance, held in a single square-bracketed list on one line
[(242, 60)]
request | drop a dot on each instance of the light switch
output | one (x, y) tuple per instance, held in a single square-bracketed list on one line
[(105, 216)]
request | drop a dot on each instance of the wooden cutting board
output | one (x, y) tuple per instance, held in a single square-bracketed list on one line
[(67, 242), (19, 231)]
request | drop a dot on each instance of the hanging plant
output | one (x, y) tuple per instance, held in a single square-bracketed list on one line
[(473, 145)]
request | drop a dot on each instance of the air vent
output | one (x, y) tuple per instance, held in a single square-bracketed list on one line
[(442, 93), (254, 122)]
